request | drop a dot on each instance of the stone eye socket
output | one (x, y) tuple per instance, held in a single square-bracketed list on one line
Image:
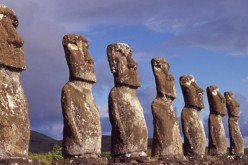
[(73, 41), (157, 64)]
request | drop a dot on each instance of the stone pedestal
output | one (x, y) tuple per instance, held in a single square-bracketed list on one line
[(19, 161), (82, 161)]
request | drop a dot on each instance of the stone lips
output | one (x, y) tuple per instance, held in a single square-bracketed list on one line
[(236, 140), (167, 140), (11, 51), (82, 129), (129, 132), (193, 130), (217, 138)]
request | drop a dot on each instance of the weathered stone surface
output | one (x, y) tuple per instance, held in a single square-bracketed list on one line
[(82, 161), (217, 138), (129, 131), (20, 161), (79, 60), (11, 43), (14, 120), (236, 140), (82, 129), (193, 130), (167, 141)]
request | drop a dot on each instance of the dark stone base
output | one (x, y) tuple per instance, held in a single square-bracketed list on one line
[(19, 161), (128, 160), (82, 161), (219, 160)]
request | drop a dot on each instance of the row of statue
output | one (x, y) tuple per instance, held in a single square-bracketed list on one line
[(129, 138)]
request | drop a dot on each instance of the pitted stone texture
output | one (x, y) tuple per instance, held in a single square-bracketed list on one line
[(236, 140), (217, 138), (14, 120), (11, 43), (82, 129), (82, 161), (79, 60), (122, 65), (167, 141), (193, 130), (20, 161), (129, 132)]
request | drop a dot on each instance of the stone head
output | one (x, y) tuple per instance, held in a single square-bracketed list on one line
[(164, 80), (232, 105), (192, 93), (217, 102), (11, 44), (79, 60), (122, 65)]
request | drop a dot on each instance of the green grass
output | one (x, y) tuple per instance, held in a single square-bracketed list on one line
[(55, 154), (47, 158)]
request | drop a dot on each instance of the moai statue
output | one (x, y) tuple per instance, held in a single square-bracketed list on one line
[(14, 119), (193, 130), (82, 129), (217, 138), (236, 140), (167, 141), (129, 131)]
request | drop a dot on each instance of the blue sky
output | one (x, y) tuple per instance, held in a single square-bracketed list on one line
[(207, 39)]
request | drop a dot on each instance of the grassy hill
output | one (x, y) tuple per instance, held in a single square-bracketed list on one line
[(40, 143)]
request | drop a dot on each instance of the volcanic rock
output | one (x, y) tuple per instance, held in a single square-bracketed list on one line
[(129, 131), (193, 130), (217, 138), (167, 141)]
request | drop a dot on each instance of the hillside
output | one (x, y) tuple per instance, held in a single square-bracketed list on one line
[(40, 143)]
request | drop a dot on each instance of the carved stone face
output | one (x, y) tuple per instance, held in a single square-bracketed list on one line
[(192, 93), (123, 67), (11, 51), (164, 80), (79, 60), (232, 105), (217, 102)]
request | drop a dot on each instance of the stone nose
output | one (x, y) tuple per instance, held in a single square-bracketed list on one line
[(88, 57), (132, 64), (14, 38)]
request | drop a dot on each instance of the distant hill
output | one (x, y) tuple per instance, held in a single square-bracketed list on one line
[(40, 143)]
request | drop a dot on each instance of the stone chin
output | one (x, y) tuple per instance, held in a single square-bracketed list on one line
[(88, 77)]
